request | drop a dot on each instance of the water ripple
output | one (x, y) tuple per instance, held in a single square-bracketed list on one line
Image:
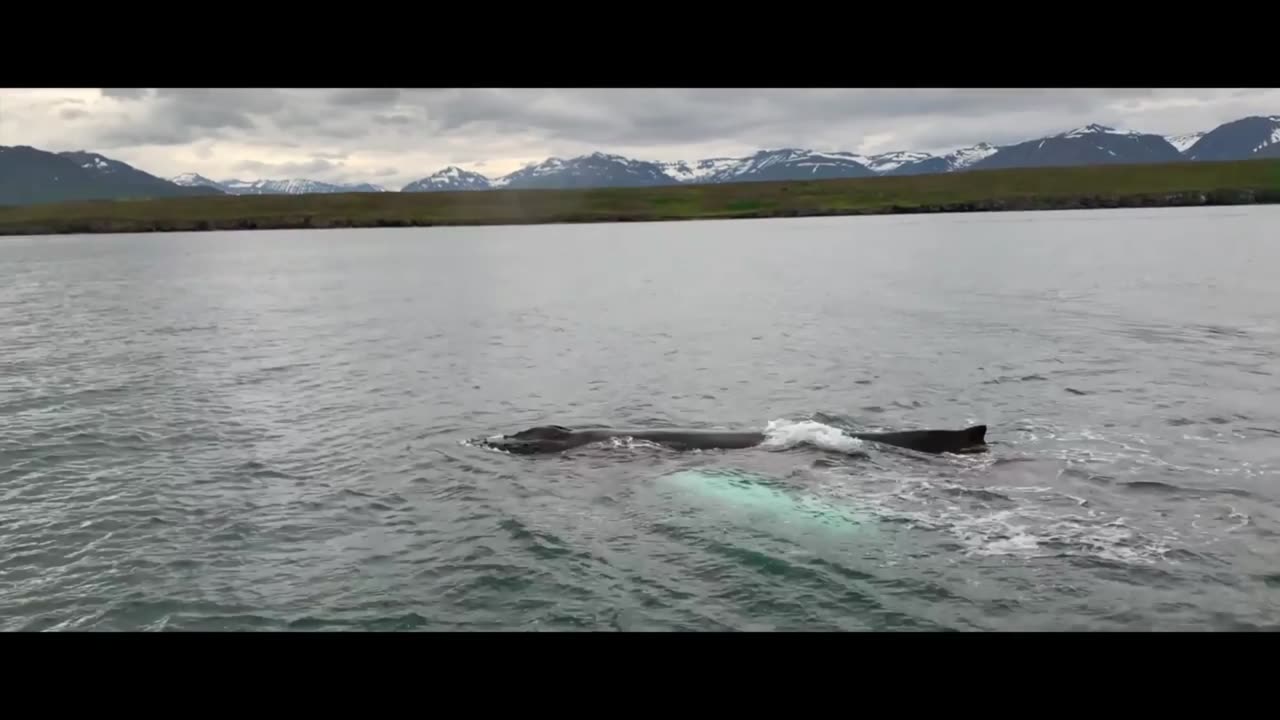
[(263, 431)]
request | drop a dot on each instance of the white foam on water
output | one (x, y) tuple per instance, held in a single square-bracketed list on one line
[(784, 434), (1001, 520), (1026, 530), (630, 443), (482, 444)]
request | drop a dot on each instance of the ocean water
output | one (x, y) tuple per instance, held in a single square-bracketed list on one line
[(269, 430)]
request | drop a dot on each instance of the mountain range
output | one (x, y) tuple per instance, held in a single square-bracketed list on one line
[(29, 175), (272, 187)]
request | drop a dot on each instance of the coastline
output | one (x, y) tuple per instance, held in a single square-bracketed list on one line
[(1189, 184)]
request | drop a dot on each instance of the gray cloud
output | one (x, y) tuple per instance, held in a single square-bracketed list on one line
[(317, 120), (392, 119), (123, 136), (208, 117), (126, 93), (365, 96), (279, 170), (176, 116), (350, 134), (628, 117), (246, 100)]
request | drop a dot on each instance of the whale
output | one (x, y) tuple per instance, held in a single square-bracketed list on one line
[(558, 438)]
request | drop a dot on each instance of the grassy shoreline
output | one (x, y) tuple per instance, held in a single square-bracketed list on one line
[(1060, 188)]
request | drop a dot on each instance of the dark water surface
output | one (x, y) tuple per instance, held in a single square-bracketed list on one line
[(265, 430)]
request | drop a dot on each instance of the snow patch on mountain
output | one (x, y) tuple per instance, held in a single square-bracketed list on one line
[(698, 170), (1096, 129), (887, 162), (1182, 142), (1275, 134), (964, 157), (94, 161), (539, 169), (763, 160), (835, 157), (191, 179), (809, 162)]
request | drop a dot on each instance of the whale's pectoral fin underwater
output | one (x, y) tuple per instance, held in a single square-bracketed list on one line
[(557, 438)]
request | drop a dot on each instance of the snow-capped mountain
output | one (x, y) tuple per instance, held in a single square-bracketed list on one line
[(919, 163), (969, 156), (273, 187), (1094, 129), (1254, 136), (195, 180), (890, 161), (120, 174), (1089, 145), (294, 186), (606, 170), (1182, 142), (1086, 145), (449, 179), (595, 170), (698, 170), (29, 175), (789, 164)]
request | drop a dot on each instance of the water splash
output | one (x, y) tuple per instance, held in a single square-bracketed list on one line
[(784, 434)]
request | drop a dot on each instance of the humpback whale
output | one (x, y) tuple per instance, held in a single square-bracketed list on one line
[(557, 438)]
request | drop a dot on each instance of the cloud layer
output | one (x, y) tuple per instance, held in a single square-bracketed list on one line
[(393, 136)]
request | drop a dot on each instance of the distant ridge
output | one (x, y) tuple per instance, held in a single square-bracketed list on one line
[(1092, 144), (1185, 184), (272, 187), (29, 175)]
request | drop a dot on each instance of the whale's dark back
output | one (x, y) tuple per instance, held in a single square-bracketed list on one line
[(969, 440), (544, 432), (555, 438), (540, 439)]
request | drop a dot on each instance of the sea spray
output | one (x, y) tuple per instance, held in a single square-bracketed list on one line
[(783, 434)]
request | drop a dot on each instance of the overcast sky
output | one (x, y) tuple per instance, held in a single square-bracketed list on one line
[(391, 136)]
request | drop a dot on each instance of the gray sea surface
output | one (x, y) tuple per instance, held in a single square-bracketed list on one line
[(270, 430)]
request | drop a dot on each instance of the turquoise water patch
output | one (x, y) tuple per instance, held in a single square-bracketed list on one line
[(748, 498)]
